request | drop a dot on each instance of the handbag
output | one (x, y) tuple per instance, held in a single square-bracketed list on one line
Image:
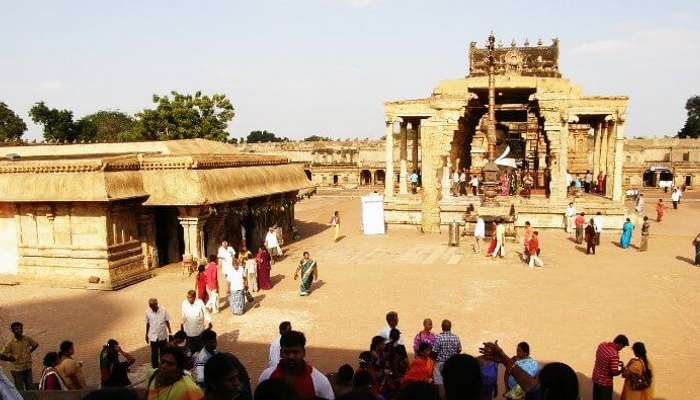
[(640, 381)]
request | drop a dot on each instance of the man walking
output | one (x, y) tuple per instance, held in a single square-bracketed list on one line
[(570, 214), (675, 198), (463, 183), (195, 317), (157, 329), (19, 351), (447, 345), (645, 235), (580, 221), (479, 233), (307, 381), (607, 365), (275, 346), (500, 240), (598, 222), (212, 273), (533, 246), (475, 185)]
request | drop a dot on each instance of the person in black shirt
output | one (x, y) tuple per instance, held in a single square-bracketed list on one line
[(114, 372)]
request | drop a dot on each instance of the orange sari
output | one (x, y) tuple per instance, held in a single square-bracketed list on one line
[(421, 370)]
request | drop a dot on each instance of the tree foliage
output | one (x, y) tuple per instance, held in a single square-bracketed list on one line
[(58, 124), (106, 126), (12, 127), (691, 129), (184, 116), (316, 138), (263, 137)]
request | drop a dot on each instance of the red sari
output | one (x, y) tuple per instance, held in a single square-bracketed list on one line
[(201, 285), (263, 261)]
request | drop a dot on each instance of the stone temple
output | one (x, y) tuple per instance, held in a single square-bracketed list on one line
[(543, 118)]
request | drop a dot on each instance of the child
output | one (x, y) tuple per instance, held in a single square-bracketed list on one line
[(251, 271)]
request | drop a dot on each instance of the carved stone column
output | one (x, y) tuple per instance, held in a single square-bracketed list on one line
[(603, 149), (596, 149), (556, 126), (147, 235), (416, 137), (193, 220), (389, 148), (609, 155), (618, 158), (403, 154)]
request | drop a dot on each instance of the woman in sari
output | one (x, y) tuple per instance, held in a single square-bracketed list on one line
[(638, 369), (262, 259), (696, 243), (626, 237), (504, 184), (307, 268), (200, 284)]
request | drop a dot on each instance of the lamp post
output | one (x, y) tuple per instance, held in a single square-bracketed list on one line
[(490, 170)]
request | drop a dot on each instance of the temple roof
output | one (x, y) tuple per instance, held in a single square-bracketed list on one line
[(179, 172)]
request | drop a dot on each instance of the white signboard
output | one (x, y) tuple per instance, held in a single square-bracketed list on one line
[(373, 214)]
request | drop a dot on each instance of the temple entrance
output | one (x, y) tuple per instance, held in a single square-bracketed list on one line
[(365, 177), (379, 177), (169, 236), (649, 178), (335, 180)]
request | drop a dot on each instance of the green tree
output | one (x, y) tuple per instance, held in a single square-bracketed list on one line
[(316, 138), (263, 136), (184, 116), (58, 124), (12, 127), (691, 129), (106, 126)]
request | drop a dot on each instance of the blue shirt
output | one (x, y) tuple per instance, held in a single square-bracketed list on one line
[(528, 365), (414, 178)]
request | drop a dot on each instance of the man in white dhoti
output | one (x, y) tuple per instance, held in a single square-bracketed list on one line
[(225, 255), (272, 244)]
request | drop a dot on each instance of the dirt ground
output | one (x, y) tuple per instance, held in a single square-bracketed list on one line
[(563, 310)]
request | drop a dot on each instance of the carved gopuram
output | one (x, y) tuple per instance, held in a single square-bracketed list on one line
[(102, 216), (543, 118)]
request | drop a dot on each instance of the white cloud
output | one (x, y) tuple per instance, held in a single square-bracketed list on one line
[(602, 48)]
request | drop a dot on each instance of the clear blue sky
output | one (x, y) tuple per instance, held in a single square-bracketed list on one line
[(306, 67)]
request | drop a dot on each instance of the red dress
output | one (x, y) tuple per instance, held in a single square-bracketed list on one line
[(202, 287), (263, 262)]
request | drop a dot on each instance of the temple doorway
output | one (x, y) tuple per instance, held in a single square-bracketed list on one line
[(379, 177), (365, 177), (649, 178), (335, 180), (169, 236)]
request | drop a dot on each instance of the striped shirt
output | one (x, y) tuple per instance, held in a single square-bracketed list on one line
[(447, 345), (607, 364)]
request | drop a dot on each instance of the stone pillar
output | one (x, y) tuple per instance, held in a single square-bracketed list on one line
[(416, 136), (436, 135), (193, 220), (403, 154), (147, 235), (556, 128), (603, 149), (618, 159), (596, 149), (609, 156), (389, 148)]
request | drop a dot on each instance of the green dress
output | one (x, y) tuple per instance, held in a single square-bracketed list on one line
[(308, 272)]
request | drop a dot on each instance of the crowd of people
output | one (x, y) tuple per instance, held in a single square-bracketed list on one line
[(187, 367)]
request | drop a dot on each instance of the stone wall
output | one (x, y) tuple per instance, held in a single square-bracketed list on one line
[(8, 239)]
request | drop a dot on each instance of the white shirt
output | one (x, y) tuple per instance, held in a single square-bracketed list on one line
[(322, 387), (271, 240), (598, 222), (455, 177), (226, 255), (157, 330), (500, 233), (480, 228), (387, 331), (474, 182), (569, 179), (570, 211), (463, 177), (200, 359), (195, 317), (275, 348), (675, 196), (235, 278)]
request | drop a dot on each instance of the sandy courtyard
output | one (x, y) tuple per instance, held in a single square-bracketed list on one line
[(563, 310)]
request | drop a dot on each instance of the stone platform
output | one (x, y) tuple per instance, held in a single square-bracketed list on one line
[(541, 212)]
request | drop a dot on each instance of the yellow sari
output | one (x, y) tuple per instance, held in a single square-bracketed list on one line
[(636, 366)]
